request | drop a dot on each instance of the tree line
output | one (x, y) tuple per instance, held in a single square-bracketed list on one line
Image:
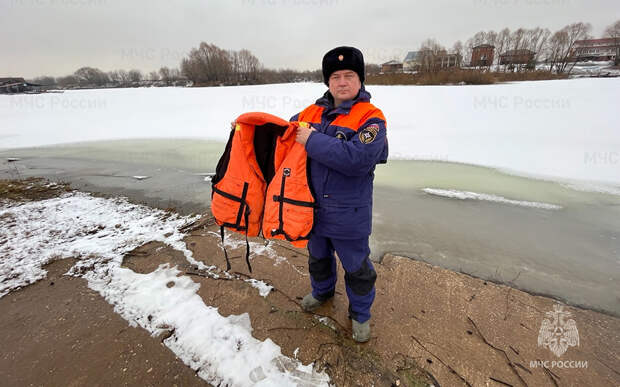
[(205, 65), (209, 64), (553, 48)]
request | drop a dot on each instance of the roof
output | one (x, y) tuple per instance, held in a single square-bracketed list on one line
[(598, 41), (519, 52), (392, 62), (11, 80), (412, 55), (484, 46)]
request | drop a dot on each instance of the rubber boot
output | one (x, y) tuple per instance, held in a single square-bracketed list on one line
[(361, 331), (310, 304)]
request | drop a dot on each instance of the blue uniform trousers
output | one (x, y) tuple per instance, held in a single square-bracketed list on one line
[(360, 275)]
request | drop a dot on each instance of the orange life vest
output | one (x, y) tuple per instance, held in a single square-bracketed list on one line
[(360, 113), (261, 182)]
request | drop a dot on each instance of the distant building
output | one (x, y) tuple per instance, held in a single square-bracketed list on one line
[(596, 49), (412, 61), (517, 57), (482, 55), (440, 60), (443, 60), (17, 85), (392, 66)]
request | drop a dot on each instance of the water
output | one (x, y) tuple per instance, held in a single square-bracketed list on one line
[(572, 254)]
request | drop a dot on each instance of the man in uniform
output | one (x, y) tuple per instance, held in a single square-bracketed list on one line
[(346, 138)]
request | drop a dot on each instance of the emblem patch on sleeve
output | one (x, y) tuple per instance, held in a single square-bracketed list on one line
[(369, 133)]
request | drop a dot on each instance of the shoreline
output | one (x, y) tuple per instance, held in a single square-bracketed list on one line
[(421, 314), (528, 248)]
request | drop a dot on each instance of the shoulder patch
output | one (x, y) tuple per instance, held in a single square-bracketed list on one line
[(369, 133)]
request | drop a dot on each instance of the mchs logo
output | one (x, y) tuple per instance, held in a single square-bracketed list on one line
[(558, 332)]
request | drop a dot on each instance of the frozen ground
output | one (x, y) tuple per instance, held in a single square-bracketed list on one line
[(554, 129), (99, 232)]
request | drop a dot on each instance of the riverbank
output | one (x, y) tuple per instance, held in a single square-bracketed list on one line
[(430, 325)]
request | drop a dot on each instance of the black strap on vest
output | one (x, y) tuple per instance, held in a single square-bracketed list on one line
[(244, 211), (282, 199)]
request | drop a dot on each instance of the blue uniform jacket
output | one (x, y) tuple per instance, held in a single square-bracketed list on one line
[(342, 170)]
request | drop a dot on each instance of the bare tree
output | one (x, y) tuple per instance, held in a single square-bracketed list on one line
[(458, 49), (516, 39), (175, 74), (479, 38), (123, 76), (68, 81), (208, 64), (502, 42), (556, 48), (89, 76), (164, 73), (135, 75), (45, 80), (429, 52), (153, 76), (538, 42), (468, 49), (248, 65), (562, 43), (613, 31), (372, 69), (575, 32), (114, 76), (491, 38)]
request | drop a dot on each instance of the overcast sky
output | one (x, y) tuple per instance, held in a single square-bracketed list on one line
[(56, 37)]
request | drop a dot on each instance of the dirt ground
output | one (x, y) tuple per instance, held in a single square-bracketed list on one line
[(58, 332), (429, 326)]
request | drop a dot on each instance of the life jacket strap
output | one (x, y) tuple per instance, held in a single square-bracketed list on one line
[(288, 237), (244, 212), (224, 248), (278, 198), (282, 199), (243, 205)]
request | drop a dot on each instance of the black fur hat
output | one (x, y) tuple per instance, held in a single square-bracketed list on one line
[(343, 58)]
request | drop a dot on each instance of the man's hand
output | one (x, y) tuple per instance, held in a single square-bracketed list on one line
[(303, 134)]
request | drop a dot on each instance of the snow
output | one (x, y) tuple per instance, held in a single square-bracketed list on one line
[(266, 250), (99, 232), (592, 68), (263, 288), (327, 322), (563, 129), (465, 195)]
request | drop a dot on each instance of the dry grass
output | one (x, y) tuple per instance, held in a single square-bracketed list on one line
[(30, 189), (459, 77)]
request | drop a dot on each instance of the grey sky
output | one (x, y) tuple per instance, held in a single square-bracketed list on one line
[(56, 37)]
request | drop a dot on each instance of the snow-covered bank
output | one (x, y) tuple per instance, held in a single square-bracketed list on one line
[(99, 232), (554, 129)]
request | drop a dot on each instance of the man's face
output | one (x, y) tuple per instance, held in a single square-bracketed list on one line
[(344, 84)]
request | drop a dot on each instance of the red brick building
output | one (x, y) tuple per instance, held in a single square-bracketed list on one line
[(517, 57), (392, 66), (482, 55)]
